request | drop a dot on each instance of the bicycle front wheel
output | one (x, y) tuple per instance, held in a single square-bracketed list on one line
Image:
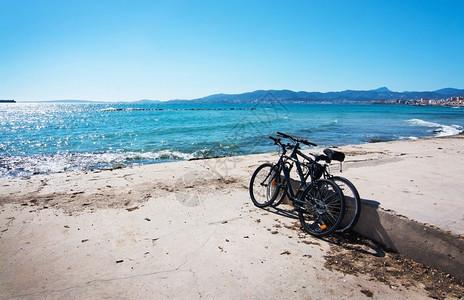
[(320, 208), (352, 203), (264, 185)]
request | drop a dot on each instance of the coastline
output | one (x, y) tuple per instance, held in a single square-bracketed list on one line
[(184, 228), (411, 168), (89, 139)]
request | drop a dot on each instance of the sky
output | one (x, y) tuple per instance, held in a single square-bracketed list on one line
[(161, 50)]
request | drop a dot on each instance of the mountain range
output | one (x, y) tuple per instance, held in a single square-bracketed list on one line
[(348, 96)]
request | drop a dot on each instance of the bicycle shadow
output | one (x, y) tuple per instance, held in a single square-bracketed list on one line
[(350, 240), (353, 241), (281, 210)]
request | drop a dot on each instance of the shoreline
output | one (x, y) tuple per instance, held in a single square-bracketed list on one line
[(90, 140), (142, 182), (182, 229), (169, 160)]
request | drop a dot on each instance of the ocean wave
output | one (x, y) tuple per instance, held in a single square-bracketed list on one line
[(23, 166), (110, 109), (408, 138), (438, 130)]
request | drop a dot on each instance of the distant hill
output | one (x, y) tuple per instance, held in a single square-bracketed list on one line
[(147, 101), (348, 96), (61, 101)]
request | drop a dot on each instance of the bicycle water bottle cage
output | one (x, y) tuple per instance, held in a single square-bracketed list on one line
[(334, 155)]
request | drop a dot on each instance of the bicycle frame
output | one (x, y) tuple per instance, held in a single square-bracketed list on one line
[(283, 160)]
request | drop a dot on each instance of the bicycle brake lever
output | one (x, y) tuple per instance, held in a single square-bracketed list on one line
[(276, 140), (308, 143)]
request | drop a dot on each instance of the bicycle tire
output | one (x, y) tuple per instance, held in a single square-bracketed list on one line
[(264, 185), (322, 207), (352, 204), (281, 195)]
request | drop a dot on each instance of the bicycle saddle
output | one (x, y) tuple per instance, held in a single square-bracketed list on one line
[(334, 155), (323, 157)]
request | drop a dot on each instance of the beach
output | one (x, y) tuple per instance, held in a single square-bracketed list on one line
[(188, 229)]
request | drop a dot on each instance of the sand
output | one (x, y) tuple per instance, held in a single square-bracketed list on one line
[(189, 230)]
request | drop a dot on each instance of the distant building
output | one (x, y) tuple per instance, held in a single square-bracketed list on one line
[(455, 101)]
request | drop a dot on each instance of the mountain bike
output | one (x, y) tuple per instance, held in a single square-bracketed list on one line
[(350, 193), (319, 202)]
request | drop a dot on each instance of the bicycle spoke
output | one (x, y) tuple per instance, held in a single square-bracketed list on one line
[(263, 185), (352, 203), (328, 208)]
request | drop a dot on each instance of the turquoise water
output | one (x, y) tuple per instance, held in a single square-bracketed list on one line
[(47, 138)]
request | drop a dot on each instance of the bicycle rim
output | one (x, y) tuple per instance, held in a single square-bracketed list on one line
[(352, 209), (264, 185), (321, 209)]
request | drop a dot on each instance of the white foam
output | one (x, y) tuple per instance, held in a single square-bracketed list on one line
[(440, 129), (17, 166), (408, 138)]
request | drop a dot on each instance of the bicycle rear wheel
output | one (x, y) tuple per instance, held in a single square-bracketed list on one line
[(264, 185), (352, 204), (321, 208)]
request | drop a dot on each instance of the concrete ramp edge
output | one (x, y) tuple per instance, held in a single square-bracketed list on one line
[(420, 242)]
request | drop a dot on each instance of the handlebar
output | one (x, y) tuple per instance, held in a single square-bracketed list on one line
[(306, 142), (277, 141), (284, 135), (328, 156)]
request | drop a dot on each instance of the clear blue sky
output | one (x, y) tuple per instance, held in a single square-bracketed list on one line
[(130, 50)]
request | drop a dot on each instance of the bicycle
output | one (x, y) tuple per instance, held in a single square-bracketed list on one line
[(350, 193), (320, 203)]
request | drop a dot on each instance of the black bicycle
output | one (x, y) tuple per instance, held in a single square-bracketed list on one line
[(319, 202), (351, 195)]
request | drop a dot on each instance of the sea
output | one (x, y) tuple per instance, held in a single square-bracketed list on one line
[(45, 138)]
